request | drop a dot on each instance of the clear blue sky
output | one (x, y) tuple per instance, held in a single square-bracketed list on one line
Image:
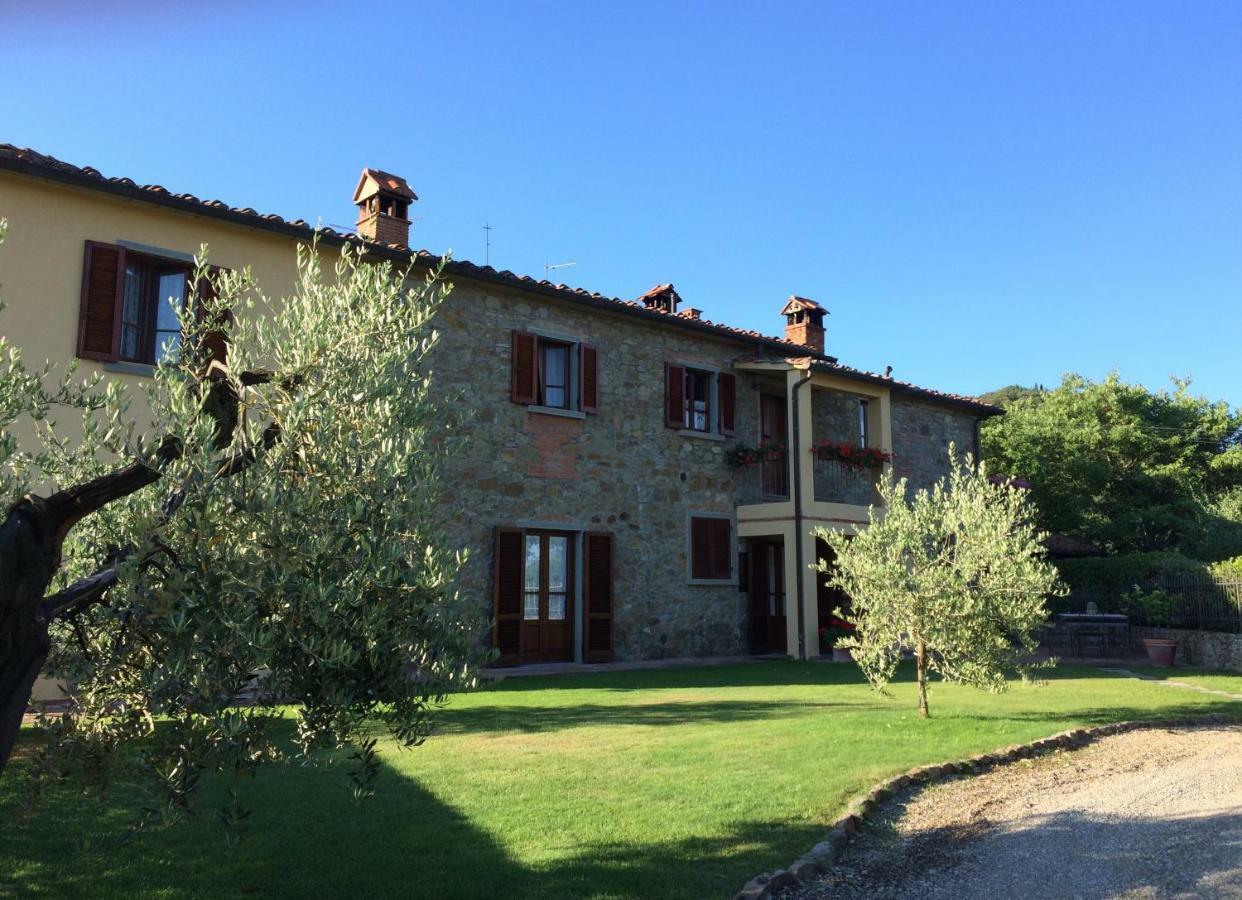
[(980, 193)]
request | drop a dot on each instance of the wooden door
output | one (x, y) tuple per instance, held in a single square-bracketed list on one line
[(547, 602), (773, 430), (766, 596)]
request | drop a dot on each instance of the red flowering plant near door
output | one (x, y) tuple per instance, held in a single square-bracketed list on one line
[(832, 632), (739, 456)]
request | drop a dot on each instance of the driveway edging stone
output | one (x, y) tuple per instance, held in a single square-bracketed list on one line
[(820, 858)]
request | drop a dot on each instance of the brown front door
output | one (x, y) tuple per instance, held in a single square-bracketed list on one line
[(547, 607), (766, 596), (773, 422)]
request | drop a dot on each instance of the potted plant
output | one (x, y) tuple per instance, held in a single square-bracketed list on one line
[(831, 634), (1157, 608), (740, 455)]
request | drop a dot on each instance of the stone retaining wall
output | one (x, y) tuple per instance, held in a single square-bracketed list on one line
[(1206, 649)]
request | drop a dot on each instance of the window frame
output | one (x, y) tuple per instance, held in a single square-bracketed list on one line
[(570, 386), (150, 269), (688, 412), (715, 427), (715, 577)]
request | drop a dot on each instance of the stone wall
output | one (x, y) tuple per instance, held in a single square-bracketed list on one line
[(922, 433), (621, 470), (1206, 649)]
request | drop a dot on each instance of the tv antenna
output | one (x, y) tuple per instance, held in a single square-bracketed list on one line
[(548, 267), (487, 243)]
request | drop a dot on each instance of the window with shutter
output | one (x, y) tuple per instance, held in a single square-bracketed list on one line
[(711, 548), (129, 307), (553, 373), (598, 598)]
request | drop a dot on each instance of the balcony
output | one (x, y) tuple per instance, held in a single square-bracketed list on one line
[(839, 482), (764, 481)]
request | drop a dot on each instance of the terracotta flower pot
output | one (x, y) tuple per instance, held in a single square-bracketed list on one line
[(1160, 651), (842, 654)]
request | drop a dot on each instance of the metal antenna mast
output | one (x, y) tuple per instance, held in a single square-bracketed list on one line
[(548, 267), (487, 244)]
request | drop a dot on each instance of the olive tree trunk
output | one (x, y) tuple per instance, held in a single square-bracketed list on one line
[(920, 662)]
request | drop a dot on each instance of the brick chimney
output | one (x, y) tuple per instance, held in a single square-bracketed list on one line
[(804, 322), (383, 202)]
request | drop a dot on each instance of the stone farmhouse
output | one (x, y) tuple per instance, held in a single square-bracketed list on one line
[(599, 490)]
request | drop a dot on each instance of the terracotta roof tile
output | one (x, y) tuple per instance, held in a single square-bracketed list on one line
[(26, 161)]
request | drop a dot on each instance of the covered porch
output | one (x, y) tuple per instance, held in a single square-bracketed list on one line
[(829, 442)]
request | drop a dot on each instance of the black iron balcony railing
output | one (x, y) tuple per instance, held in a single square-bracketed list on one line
[(765, 480), (839, 482)]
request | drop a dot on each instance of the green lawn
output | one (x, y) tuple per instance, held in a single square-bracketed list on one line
[(1217, 681), (676, 783)]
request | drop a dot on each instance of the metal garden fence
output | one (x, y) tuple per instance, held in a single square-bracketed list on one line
[(1202, 603)]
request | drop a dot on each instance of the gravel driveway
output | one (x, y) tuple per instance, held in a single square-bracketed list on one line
[(1143, 814)]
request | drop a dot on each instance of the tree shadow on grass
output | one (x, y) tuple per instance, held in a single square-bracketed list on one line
[(308, 839), (784, 673), (468, 720)]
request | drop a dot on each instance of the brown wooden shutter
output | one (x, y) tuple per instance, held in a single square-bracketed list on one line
[(588, 378), (674, 395), (722, 550), (524, 384), (700, 548), (597, 599), (726, 390), (103, 286), (711, 549), (214, 343), (508, 584)]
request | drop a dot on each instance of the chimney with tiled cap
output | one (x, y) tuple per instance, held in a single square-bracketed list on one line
[(662, 297), (804, 322), (383, 202)]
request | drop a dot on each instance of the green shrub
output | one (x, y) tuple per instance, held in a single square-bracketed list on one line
[(1228, 569), (1118, 574)]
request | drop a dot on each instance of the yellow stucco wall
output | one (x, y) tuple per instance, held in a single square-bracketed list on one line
[(41, 274), (41, 258)]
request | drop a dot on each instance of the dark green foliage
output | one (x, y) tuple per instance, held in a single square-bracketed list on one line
[(1117, 574), (1010, 393), (1128, 469)]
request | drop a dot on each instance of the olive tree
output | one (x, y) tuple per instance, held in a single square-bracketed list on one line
[(277, 516), (955, 573)]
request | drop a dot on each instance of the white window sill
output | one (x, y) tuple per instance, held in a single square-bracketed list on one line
[(557, 411), (130, 368), (711, 582), (704, 435)]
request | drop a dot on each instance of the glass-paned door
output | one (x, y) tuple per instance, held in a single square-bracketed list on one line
[(773, 431), (547, 609)]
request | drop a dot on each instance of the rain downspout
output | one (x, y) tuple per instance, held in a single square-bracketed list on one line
[(797, 512)]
